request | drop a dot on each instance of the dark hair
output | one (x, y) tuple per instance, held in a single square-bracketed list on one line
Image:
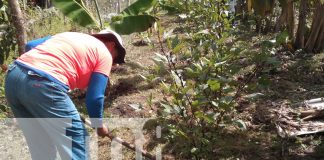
[(121, 51)]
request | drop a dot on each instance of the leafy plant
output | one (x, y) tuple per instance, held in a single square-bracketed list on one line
[(133, 19), (139, 7), (198, 72), (7, 33), (138, 23), (76, 11)]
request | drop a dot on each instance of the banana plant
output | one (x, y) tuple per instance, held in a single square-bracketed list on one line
[(139, 7), (134, 18), (76, 10)]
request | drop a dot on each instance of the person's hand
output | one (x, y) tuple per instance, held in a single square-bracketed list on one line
[(103, 131), (114, 67)]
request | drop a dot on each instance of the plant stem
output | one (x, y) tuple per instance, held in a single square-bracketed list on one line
[(97, 9)]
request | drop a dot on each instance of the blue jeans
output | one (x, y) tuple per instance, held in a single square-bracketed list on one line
[(46, 115)]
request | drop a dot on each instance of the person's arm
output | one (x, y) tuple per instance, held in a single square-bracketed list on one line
[(33, 43), (95, 101)]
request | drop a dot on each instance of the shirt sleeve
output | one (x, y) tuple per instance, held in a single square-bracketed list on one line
[(104, 61), (33, 43), (95, 98)]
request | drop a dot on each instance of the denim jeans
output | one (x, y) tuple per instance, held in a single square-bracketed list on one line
[(46, 115)]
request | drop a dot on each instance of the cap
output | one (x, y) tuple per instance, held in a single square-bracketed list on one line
[(117, 38)]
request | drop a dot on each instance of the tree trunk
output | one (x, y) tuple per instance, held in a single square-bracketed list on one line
[(300, 35), (282, 19), (17, 21), (291, 19), (315, 42), (287, 17), (242, 11)]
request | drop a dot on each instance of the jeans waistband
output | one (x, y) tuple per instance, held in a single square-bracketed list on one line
[(34, 72)]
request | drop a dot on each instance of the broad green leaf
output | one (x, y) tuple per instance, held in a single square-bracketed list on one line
[(202, 115), (80, 2), (226, 100), (175, 41), (76, 12), (178, 48), (176, 78), (3, 108), (189, 72), (214, 85), (131, 24), (138, 7), (161, 57), (282, 37), (193, 150), (167, 108)]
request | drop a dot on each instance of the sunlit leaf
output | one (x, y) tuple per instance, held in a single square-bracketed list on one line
[(254, 95), (175, 42), (76, 12), (161, 57), (282, 37), (176, 78), (167, 108), (138, 7), (178, 48), (131, 24), (214, 85), (136, 107), (193, 150), (240, 124), (168, 34), (206, 118)]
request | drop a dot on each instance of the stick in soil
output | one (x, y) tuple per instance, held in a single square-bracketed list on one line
[(121, 141)]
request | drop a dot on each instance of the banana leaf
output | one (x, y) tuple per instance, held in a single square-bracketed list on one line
[(131, 24), (138, 7), (76, 11)]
